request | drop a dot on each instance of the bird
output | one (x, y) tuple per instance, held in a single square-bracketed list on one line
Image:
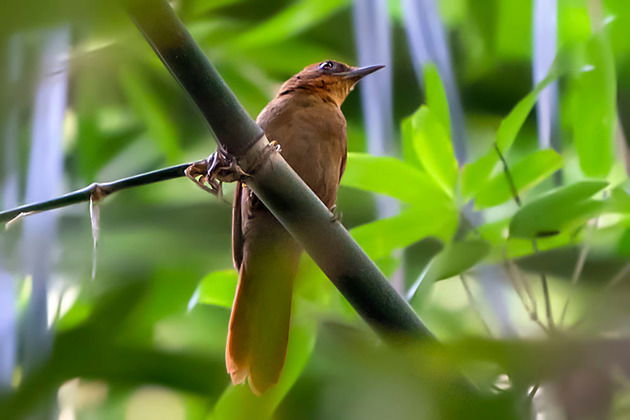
[(306, 120)]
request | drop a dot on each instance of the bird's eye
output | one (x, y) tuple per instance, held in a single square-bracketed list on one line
[(327, 65)]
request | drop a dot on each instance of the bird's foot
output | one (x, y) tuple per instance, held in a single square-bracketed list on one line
[(263, 155), (211, 173), (336, 214)]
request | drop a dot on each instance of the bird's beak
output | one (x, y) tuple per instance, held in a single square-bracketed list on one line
[(360, 72)]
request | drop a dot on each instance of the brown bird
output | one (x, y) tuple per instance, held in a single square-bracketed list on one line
[(305, 118)]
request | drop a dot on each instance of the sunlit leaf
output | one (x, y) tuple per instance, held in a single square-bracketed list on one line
[(239, 403), (511, 125), (292, 20), (217, 288), (624, 244), (619, 201), (598, 267), (593, 110), (557, 210), (381, 237), (408, 150), (458, 257), (476, 174), (527, 173), (148, 105), (436, 96), (392, 177), (434, 149)]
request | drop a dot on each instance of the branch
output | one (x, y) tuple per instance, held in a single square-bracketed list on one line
[(96, 190), (519, 203), (274, 182)]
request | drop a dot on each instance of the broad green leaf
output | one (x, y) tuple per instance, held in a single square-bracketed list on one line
[(392, 177), (239, 403), (408, 150), (527, 173), (434, 149), (511, 125), (295, 18), (218, 288), (436, 96), (476, 174), (557, 210), (148, 105), (593, 110), (619, 201), (624, 244), (381, 237), (458, 257), (199, 7), (600, 266)]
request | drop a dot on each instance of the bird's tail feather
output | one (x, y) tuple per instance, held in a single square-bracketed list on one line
[(259, 323)]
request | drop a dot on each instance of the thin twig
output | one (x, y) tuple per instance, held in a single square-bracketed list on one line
[(473, 304), (545, 289), (516, 278), (508, 176), (99, 189), (518, 201), (520, 283), (577, 273)]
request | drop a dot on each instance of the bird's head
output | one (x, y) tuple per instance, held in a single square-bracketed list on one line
[(331, 80)]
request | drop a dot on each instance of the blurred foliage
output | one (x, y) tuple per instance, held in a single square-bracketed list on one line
[(150, 330)]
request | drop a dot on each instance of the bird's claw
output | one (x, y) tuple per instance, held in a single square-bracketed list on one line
[(336, 214), (220, 167), (272, 147), (211, 173)]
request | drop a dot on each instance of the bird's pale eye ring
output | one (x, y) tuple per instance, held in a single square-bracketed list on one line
[(327, 65)]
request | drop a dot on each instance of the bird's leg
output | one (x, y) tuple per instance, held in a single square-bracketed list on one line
[(263, 155)]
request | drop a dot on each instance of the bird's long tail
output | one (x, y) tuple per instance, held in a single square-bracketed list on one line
[(259, 324)]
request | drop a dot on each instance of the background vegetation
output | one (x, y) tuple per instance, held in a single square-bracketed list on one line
[(507, 227)]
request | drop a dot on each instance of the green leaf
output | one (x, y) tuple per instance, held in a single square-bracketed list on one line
[(381, 237), (559, 209), (512, 124), (457, 258), (147, 104), (476, 174), (239, 403), (624, 244), (218, 288), (600, 266), (295, 18), (392, 177), (593, 110), (408, 150), (436, 96), (527, 173), (434, 149), (619, 201)]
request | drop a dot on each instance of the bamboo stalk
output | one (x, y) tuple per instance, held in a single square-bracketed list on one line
[(274, 182)]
